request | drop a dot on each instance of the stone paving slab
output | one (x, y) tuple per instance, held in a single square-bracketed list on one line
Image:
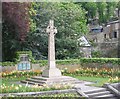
[(85, 86)]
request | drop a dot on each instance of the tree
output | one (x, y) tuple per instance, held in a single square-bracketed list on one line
[(71, 24), (118, 6), (91, 7), (102, 11), (111, 6), (16, 25)]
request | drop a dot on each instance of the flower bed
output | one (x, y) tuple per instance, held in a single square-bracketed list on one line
[(112, 74), (13, 88), (103, 72), (8, 79), (20, 74)]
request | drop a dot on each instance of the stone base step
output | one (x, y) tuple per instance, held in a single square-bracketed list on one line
[(56, 80), (95, 90), (53, 78), (53, 81), (99, 93), (31, 83), (107, 96), (34, 80), (114, 98)]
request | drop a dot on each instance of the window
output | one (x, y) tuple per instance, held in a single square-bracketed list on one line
[(115, 34), (105, 36)]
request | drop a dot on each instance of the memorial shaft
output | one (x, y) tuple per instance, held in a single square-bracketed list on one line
[(52, 70), (51, 50)]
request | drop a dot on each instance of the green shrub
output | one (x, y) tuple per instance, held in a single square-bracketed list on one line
[(100, 60), (62, 62)]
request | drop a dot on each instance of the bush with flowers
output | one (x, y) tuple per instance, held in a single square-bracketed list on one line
[(20, 74), (95, 72), (32, 88), (103, 72), (114, 79)]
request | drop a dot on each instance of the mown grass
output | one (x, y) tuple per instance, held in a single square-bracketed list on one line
[(98, 81)]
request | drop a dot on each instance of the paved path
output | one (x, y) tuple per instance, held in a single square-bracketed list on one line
[(85, 86)]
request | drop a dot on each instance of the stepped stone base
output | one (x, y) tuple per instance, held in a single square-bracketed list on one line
[(54, 72), (50, 81)]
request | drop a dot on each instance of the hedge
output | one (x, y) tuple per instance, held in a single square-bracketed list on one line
[(7, 64), (101, 60), (24, 52), (62, 62)]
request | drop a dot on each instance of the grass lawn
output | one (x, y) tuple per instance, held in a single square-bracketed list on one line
[(9, 81), (9, 85), (99, 81)]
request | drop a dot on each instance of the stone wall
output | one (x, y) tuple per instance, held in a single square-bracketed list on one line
[(107, 49), (8, 68), (70, 67), (37, 67)]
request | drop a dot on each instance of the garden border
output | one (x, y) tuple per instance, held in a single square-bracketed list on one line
[(46, 93)]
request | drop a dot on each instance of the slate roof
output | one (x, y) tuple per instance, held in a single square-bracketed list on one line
[(84, 42)]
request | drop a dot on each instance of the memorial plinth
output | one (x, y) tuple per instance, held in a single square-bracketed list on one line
[(51, 75)]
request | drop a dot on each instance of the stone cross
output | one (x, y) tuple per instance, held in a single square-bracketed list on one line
[(51, 30), (51, 71)]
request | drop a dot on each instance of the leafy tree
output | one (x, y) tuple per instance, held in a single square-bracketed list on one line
[(110, 9), (71, 23), (16, 25), (105, 10), (102, 11), (118, 6), (91, 7)]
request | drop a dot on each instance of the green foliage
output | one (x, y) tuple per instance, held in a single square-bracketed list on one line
[(100, 60), (93, 72), (13, 88), (104, 11), (68, 62), (91, 7), (97, 81), (18, 74), (111, 6), (29, 53), (96, 54), (62, 62), (41, 62), (16, 23), (70, 22), (7, 63)]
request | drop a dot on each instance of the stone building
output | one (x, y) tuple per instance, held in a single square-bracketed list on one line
[(106, 38), (112, 30)]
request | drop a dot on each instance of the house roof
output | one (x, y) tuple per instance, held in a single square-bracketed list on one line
[(84, 42), (114, 22)]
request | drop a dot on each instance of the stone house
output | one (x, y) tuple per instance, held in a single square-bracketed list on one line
[(110, 32), (106, 38)]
